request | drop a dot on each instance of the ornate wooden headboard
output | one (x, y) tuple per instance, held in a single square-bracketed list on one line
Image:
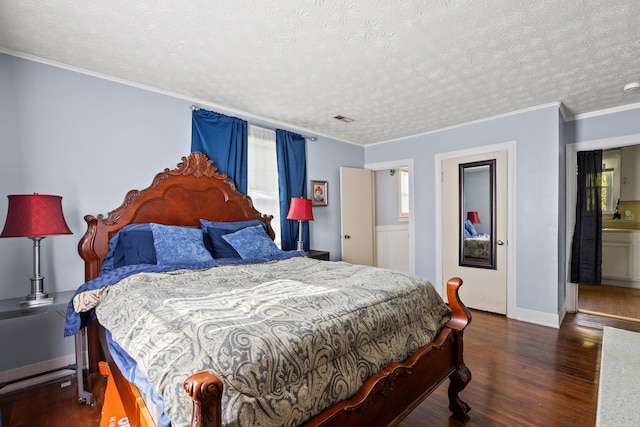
[(180, 196)]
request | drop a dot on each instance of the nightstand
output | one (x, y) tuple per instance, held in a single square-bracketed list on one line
[(11, 308), (321, 255)]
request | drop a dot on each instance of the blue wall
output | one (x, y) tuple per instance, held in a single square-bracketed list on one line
[(324, 159), (537, 195), (562, 213), (388, 198), (612, 125), (91, 140)]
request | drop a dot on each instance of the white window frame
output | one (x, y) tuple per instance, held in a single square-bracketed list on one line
[(262, 180), (403, 191)]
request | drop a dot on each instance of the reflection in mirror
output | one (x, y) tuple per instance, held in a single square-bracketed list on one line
[(477, 210)]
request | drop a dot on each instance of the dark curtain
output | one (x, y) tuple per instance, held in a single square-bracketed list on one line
[(586, 249), (224, 140), (292, 176)]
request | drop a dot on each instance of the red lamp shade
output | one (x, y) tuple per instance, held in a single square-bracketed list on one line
[(300, 209), (473, 217), (31, 215)]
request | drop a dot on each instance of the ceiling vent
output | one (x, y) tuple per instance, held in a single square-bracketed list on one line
[(343, 118)]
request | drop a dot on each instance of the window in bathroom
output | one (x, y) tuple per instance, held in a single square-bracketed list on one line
[(404, 194), (606, 190), (610, 183)]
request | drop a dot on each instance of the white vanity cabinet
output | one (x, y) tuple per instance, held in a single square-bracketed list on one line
[(630, 173), (621, 257)]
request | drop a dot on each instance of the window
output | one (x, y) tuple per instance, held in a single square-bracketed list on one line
[(403, 178), (606, 191), (610, 180), (263, 175)]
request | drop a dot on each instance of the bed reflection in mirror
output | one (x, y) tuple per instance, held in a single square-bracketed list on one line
[(477, 210)]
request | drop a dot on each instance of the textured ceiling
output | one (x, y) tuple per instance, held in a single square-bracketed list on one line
[(399, 68)]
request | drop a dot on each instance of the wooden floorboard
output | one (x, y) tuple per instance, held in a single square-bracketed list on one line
[(611, 300), (522, 375), (525, 374), (54, 404)]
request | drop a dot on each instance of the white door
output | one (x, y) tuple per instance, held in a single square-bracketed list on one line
[(484, 288), (357, 215)]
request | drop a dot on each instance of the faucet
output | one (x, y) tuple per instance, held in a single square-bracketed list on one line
[(616, 214)]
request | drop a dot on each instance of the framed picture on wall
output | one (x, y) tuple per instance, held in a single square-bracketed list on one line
[(319, 193)]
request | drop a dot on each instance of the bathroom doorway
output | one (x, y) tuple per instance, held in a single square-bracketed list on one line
[(610, 301), (619, 294)]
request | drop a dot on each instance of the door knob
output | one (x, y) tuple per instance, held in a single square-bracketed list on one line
[(500, 242)]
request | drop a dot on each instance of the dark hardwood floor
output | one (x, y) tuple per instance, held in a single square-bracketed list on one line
[(53, 405), (522, 375), (525, 374), (611, 300)]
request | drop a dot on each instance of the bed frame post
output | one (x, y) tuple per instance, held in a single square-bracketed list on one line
[(205, 389), (460, 318)]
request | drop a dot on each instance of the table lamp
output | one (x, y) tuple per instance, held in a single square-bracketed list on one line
[(300, 210), (35, 216), (473, 217)]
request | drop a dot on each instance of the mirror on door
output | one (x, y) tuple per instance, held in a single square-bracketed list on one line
[(477, 210)]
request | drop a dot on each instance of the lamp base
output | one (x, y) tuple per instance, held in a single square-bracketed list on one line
[(36, 299), (37, 296), (300, 244)]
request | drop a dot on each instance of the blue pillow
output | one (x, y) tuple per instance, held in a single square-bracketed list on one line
[(252, 242), (133, 244), (470, 228), (179, 245), (114, 258), (215, 230), (138, 246)]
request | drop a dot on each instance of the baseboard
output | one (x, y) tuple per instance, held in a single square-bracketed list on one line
[(39, 379), (538, 317), (37, 368), (621, 283)]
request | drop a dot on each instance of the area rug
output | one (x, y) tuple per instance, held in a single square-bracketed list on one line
[(619, 387)]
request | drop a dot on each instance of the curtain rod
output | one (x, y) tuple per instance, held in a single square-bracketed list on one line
[(310, 138)]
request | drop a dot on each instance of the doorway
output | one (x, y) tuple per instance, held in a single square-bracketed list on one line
[(388, 233), (618, 296)]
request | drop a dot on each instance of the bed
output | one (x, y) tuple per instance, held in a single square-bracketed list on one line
[(194, 192), (476, 245), (477, 248)]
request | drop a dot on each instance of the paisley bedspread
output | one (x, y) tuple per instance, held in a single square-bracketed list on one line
[(288, 338), (477, 248)]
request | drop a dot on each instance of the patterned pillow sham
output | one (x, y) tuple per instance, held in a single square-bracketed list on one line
[(179, 245), (252, 242)]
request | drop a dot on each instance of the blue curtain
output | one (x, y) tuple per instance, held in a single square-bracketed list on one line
[(292, 176), (224, 140)]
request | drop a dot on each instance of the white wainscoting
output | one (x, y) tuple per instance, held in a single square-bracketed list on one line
[(392, 243)]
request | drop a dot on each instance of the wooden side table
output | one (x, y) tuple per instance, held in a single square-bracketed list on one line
[(321, 255)]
